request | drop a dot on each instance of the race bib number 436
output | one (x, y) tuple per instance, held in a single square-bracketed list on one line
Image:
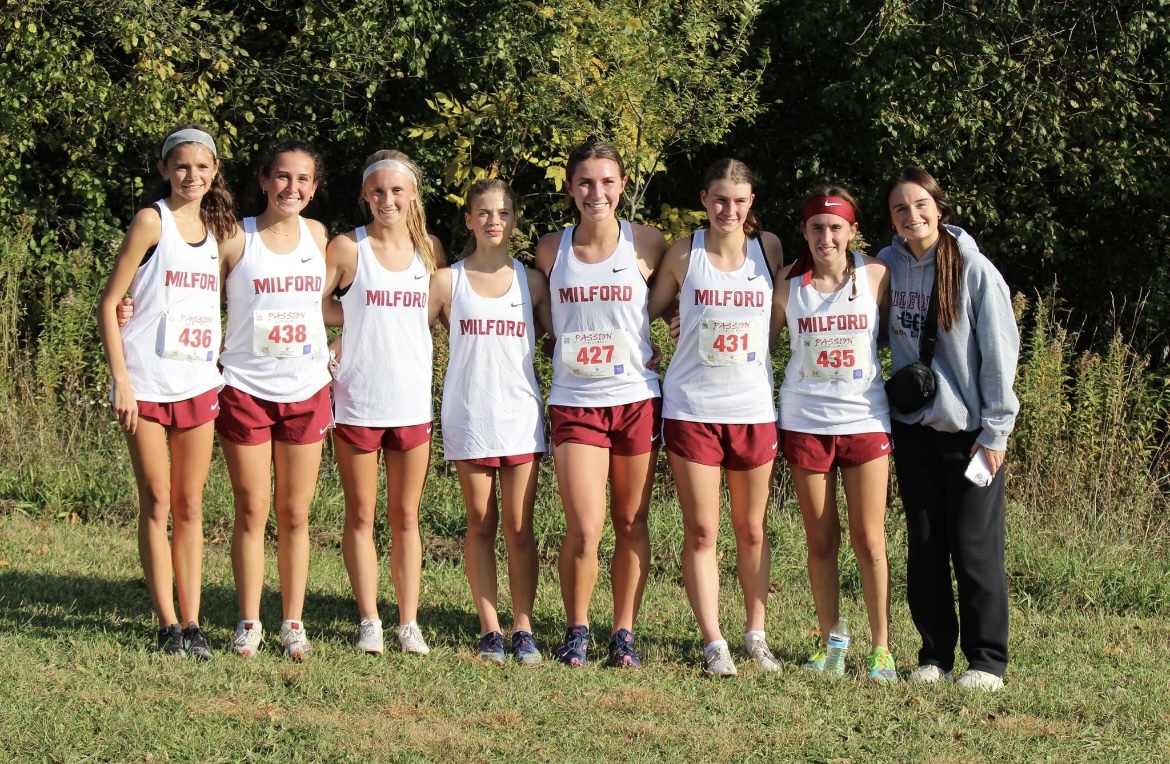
[(282, 333), (838, 357), (190, 337), (594, 355), (730, 342)]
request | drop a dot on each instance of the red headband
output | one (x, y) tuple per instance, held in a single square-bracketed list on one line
[(828, 205)]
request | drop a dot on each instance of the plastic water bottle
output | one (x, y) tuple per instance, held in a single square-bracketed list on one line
[(839, 638)]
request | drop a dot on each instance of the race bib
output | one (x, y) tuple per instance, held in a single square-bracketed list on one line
[(730, 342), (189, 337), (838, 357), (283, 333), (594, 355)]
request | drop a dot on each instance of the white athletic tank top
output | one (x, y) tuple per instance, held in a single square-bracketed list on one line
[(602, 327), (491, 402), (275, 347), (172, 340), (384, 379), (833, 382), (721, 372)]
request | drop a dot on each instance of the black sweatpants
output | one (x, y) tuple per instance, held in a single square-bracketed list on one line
[(951, 521)]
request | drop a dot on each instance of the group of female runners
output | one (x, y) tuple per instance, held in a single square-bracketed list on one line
[(596, 288)]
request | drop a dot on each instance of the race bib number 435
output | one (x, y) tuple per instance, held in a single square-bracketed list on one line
[(838, 357), (594, 355), (190, 337), (282, 333), (730, 342)]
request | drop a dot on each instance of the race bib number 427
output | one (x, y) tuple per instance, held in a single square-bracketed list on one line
[(597, 354), (190, 337), (282, 333), (838, 357)]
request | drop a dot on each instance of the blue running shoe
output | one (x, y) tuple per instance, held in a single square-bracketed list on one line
[(524, 648), (491, 648), (621, 650), (573, 651)]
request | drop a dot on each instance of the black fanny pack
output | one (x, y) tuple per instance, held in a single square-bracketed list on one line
[(913, 386)]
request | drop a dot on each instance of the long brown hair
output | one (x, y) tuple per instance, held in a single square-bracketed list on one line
[(592, 148), (948, 258), (841, 193), (734, 171), (416, 219), (217, 205), (482, 188)]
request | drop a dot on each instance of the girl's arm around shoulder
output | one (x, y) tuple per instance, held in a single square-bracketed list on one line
[(541, 302), (649, 246), (546, 252), (779, 304), (773, 252), (668, 278), (439, 300)]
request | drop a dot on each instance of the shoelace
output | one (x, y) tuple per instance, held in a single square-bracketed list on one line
[(367, 631)]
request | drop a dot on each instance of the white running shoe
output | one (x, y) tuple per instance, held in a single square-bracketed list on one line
[(758, 650), (249, 638), (369, 636), (718, 662), (980, 680), (411, 639), (928, 673), (296, 644)]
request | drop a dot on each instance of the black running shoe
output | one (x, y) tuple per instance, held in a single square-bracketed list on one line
[(196, 643), (170, 640), (621, 650)]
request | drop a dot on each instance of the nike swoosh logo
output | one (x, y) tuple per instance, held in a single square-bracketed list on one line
[(619, 270), (774, 445), (833, 204), (306, 259), (416, 278), (215, 405), (428, 431), (323, 430), (215, 257), (654, 437), (517, 304), (885, 446), (753, 278)]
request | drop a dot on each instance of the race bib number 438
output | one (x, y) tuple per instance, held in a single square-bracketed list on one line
[(730, 342), (282, 333), (594, 355), (190, 337), (838, 357)]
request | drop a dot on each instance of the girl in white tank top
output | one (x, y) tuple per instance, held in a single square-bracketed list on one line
[(274, 352), (832, 300), (165, 354), (721, 375), (493, 423), (597, 271), (383, 271)]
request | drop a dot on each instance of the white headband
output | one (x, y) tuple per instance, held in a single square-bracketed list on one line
[(389, 164), (189, 135)]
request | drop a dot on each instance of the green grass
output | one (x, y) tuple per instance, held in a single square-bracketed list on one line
[(78, 683)]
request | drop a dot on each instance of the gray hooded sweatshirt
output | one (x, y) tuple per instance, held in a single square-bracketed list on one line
[(974, 363)]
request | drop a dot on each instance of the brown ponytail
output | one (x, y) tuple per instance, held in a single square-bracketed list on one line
[(948, 258)]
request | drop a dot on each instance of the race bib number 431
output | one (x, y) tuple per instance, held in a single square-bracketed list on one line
[(282, 333), (594, 355), (730, 342), (190, 337), (838, 357)]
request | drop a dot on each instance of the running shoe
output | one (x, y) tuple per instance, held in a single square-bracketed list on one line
[(928, 673), (170, 640), (491, 648), (717, 662), (296, 644), (816, 661), (249, 638), (410, 639), (524, 649), (757, 650), (195, 642), (973, 679), (621, 650), (369, 639), (574, 652), (881, 666)]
